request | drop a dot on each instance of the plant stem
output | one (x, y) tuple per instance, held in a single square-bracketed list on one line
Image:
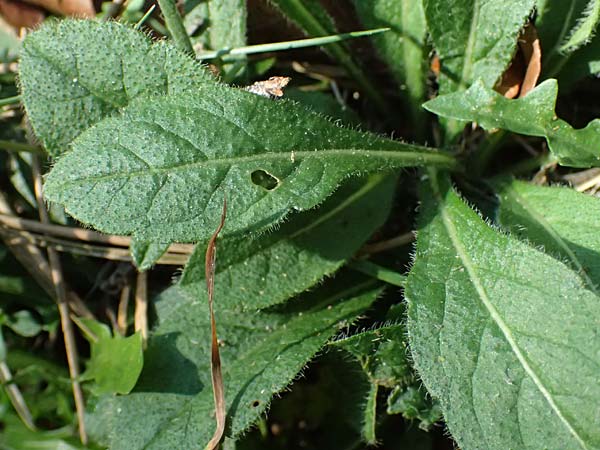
[(10, 100), (20, 147), (379, 272), (175, 26)]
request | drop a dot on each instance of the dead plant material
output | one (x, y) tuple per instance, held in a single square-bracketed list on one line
[(525, 68), (215, 359), (77, 8), (63, 308), (140, 318), (21, 15)]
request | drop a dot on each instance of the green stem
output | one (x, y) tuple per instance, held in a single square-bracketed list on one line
[(20, 147), (10, 100), (379, 272), (175, 26), (289, 45)]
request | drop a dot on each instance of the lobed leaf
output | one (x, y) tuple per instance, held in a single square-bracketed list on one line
[(268, 269), (74, 73), (502, 334), (172, 405), (159, 171), (560, 219), (532, 115)]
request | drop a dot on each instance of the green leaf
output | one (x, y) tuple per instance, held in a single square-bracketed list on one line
[(73, 73), (563, 27), (227, 23), (501, 333), (146, 253), (271, 268), (582, 63), (414, 404), (172, 406), (560, 219), (382, 353), (474, 39), (23, 323), (532, 115), (161, 170), (369, 427), (115, 363), (403, 48), (314, 20)]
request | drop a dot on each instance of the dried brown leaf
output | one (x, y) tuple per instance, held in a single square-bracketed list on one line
[(215, 361)]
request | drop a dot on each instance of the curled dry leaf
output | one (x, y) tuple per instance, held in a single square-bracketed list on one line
[(215, 360), (78, 8), (525, 68), (20, 15)]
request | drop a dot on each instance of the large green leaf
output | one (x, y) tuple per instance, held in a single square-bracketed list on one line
[(561, 219), (532, 115), (161, 170), (503, 334), (172, 405), (474, 38), (582, 63), (403, 47), (268, 269), (73, 73)]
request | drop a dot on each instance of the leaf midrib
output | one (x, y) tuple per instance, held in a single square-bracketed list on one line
[(420, 157), (495, 315), (470, 48)]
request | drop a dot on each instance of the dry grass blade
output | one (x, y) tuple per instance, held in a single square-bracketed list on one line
[(141, 306), (215, 361), (63, 308)]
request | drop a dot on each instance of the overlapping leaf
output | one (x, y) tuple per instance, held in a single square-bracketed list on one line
[(160, 170), (558, 218), (268, 269), (503, 334), (172, 405), (73, 73), (532, 115)]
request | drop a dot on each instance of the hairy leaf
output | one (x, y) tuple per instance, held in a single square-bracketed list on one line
[(161, 169), (503, 334), (560, 219), (563, 27), (403, 47), (269, 269), (474, 38), (172, 405), (582, 63), (532, 115), (73, 73), (145, 253)]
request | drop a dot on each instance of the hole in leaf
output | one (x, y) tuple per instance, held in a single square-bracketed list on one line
[(255, 403), (264, 179)]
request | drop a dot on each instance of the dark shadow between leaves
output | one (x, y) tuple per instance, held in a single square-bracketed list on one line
[(166, 370)]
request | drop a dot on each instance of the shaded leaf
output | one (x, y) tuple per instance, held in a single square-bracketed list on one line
[(502, 334), (271, 268), (560, 219), (160, 170), (172, 406), (403, 47), (532, 115), (73, 73), (414, 404)]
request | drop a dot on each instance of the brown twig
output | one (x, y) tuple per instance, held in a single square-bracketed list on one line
[(215, 360), (141, 306), (63, 308)]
